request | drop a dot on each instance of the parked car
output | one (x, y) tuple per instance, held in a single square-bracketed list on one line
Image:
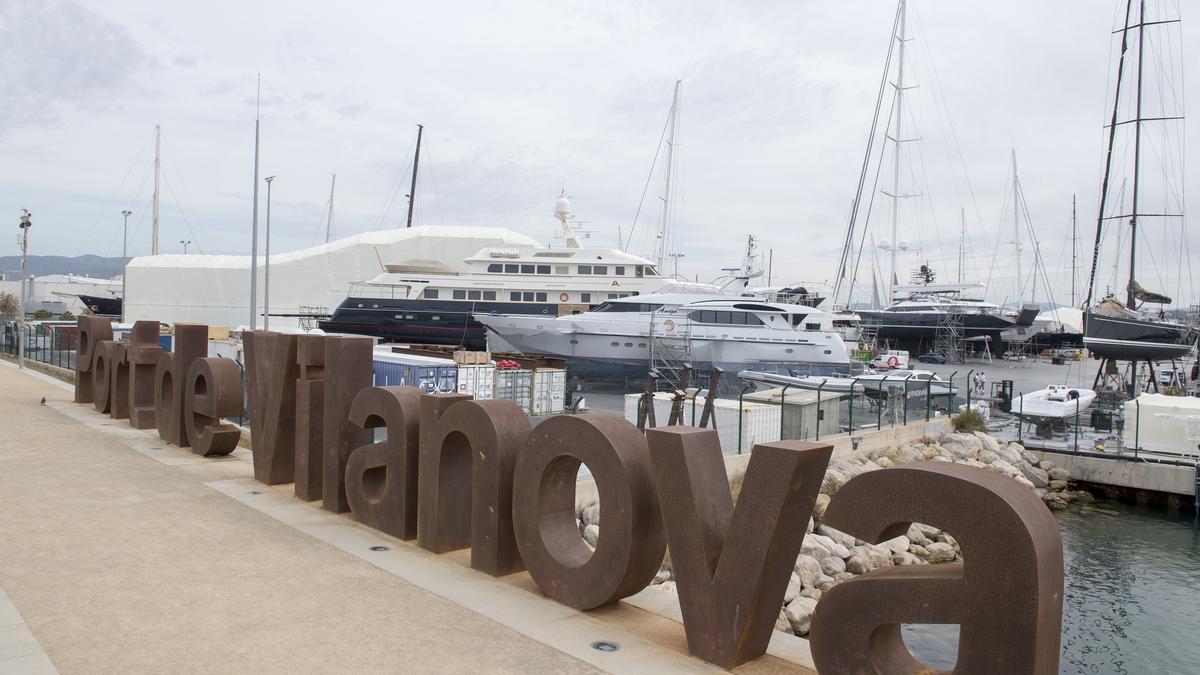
[(932, 357)]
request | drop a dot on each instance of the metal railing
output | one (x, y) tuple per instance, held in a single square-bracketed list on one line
[(53, 344)]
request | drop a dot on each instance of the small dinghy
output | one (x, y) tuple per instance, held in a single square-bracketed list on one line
[(1058, 401)]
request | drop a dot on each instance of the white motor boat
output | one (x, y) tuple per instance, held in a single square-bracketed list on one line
[(1058, 401), (869, 382)]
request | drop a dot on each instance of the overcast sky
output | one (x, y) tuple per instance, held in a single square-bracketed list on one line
[(519, 99)]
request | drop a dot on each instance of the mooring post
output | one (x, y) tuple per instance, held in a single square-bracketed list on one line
[(1020, 418), (819, 415)]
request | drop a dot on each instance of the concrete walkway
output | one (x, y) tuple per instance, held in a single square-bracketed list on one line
[(119, 563)]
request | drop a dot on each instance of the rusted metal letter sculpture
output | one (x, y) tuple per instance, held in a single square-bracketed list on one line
[(381, 478), (310, 405), (271, 373), (347, 371), (191, 343), (468, 452), (632, 542), (732, 565), (101, 375), (213, 391), (142, 354), (1006, 596), (118, 380), (92, 331)]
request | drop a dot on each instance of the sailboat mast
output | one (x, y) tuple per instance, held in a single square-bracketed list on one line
[(897, 139), (962, 240), (664, 226), (157, 167), (329, 223), (1137, 155), (1074, 250), (412, 191), (1017, 227)]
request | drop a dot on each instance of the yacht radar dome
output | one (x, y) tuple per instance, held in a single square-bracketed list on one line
[(562, 209)]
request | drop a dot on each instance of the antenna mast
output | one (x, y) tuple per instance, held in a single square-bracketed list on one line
[(254, 220), (412, 191), (329, 223), (157, 155), (664, 225)]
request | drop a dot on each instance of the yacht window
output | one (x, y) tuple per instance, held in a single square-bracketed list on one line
[(430, 293), (562, 269), (528, 296), (435, 317), (460, 295), (541, 297), (526, 269), (613, 296), (511, 269), (515, 296), (585, 297), (650, 271), (619, 270), (599, 269), (797, 319), (752, 320), (543, 269), (474, 295), (638, 271), (496, 268), (922, 376), (812, 326), (585, 269), (616, 344), (489, 295)]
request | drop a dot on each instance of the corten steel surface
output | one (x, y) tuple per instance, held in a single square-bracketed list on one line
[(142, 354), (101, 375), (1006, 596), (118, 379), (213, 391), (347, 372), (468, 452), (381, 478), (271, 373), (732, 564), (92, 330), (310, 416), (191, 343), (632, 542)]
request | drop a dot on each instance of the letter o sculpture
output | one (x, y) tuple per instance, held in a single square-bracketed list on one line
[(632, 541)]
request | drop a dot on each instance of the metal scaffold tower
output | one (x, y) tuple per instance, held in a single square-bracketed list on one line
[(949, 338), (670, 349)]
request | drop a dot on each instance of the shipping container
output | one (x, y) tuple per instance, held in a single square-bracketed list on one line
[(516, 385), (549, 391), (430, 375), (477, 380)]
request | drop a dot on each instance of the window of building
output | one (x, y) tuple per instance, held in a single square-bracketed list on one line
[(474, 295), (495, 268), (460, 295), (619, 270), (585, 269), (528, 296), (526, 269), (541, 297), (512, 269), (430, 293), (543, 269), (585, 297), (599, 269), (515, 296), (489, 295), (562, 269)]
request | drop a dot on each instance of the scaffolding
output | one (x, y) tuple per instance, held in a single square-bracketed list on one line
[(670, 350), (949, 337)]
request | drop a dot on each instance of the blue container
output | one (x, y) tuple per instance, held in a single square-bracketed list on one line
[(430, 375)]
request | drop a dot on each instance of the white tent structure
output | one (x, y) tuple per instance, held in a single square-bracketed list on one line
[(1167, 424), (215, 289)]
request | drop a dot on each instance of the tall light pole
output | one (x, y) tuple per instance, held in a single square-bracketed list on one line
[(185, 245), (254, 222), (124, 259), (267, 262), (25, 225)]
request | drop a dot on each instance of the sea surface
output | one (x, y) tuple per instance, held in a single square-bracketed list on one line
[(1132, 600)]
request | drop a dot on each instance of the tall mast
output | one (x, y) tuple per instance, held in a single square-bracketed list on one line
[(962, 240), (1016, 242), (157, 155), (1074, 250), (329, 223), (254, 220), (664, 225), (412, 191), (897, 139), (1137, 155)]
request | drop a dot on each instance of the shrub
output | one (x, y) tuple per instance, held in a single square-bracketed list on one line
[(968, 420), (67, 316), (42, 314)]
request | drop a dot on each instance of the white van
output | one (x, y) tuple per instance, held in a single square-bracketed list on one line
[(890, 359)]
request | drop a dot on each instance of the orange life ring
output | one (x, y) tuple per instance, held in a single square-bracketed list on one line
[(893, 361), (669, 325), (562, 297)]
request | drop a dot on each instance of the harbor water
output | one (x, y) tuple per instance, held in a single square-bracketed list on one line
[(1132, 597)]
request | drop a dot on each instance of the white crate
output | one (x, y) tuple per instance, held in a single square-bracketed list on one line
[(477, 380), (549, 391)]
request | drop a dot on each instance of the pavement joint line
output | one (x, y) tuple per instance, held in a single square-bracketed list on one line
[(20, 651), (540, 618)]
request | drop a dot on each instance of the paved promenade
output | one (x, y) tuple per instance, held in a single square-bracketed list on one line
[(116, 562)]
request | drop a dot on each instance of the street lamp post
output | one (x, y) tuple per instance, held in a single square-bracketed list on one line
[(124, 259), (267, 262), (185, 245), (25, 224)]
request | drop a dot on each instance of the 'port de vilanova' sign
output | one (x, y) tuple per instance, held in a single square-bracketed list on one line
[(457, 473)]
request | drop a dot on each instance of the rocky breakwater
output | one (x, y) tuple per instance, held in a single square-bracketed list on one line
[(829, 557)]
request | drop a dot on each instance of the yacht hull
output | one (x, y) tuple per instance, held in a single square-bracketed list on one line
[(1136, 340), (434, 322)]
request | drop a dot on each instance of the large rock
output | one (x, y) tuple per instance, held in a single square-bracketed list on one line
[(906, 558), (836, 535), (662, 576), (591, 534), (833, 481), (820, 505), (955, 451), (885, 462), (782, 622), (987, 456), (1034, 475), (897, 544), (807, 570), (930, 451), (834, 548), (939, 552), (989, 442), (591, 515), (1058, 485), (1057, 473), (815, 547), (907, 453), (1002, 466), (799, 613), (826, 582), (814, 593), (1030, 457), (858, 564), (832, 566), (793, 589), (970, 441)]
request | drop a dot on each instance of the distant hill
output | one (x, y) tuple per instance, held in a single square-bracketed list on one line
[(84, 265)]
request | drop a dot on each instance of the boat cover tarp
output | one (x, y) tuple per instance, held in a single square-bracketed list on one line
[(1162, 423)]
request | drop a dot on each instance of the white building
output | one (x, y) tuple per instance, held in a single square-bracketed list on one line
[(215, 289), (58, 293)]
